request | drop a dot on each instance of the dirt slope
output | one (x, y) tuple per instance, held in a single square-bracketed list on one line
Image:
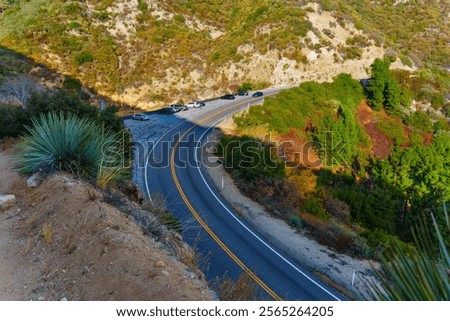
[(63, 241)]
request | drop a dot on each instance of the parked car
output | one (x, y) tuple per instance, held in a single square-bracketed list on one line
[(141, 117), (257, 94), (178, 107), (228, 97), (195, 104), (242, 93), (168, 111)]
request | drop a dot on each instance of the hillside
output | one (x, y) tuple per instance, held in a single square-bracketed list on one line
[(358, 167), (149, 53), (64, 241)]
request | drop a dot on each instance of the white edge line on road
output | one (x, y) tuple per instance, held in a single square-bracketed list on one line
[(225, 207), (249, 230)]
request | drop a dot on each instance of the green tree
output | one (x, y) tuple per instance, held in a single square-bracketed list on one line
[(392, 96), (377, 87), (384, 89)]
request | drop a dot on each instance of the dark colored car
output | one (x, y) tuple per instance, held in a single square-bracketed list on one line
[(258, 94), (168, 111), (228, 97), (141, 117), (242, 93)]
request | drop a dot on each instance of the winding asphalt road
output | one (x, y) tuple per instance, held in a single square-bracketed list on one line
[(175, 168)]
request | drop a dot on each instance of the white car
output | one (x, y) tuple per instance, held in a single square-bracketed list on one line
[(140, 117), (195, 104)]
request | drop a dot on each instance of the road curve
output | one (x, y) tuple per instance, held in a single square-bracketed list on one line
[(175, 168)]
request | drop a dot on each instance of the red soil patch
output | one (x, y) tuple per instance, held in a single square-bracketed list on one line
[(364, 113), (381, 143), (298, 151), (427, 139)]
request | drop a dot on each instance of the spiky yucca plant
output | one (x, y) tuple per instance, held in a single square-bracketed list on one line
[(64, 142), (422, 275)]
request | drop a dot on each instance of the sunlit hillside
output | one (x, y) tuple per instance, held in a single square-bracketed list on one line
[(149, 53)]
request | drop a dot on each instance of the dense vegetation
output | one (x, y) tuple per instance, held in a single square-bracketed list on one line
[(353, 193), (190, 41), (321, 109), (14, 119), (61, 130)]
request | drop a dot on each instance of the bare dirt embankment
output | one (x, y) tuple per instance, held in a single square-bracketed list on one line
[(63, 241)]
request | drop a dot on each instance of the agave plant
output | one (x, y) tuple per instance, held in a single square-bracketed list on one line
[(64, 142), (422, 275)]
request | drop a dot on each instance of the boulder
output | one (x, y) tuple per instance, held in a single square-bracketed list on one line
[(7, 201), (33, 181)]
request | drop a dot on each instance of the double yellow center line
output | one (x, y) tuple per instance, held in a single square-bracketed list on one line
[(247, 270)]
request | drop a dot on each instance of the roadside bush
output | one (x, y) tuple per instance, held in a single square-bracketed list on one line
[(296, 221), (337, 208), (314, 206), (241, 289), (245, 86), (60, 101), (172, 222), (381, 243), (12, 120), (58, 142), (249, 159)]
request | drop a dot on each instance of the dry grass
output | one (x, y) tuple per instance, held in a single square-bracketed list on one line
[(243, 289), (156, 205), (334, 285), (92, 196), (47, 233)]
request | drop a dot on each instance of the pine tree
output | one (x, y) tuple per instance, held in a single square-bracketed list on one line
[(392, 95), (378, 81)]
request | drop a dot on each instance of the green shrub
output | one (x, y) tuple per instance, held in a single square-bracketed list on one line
[(180, 18), (72, 8), (245, 86), (72, 84), (142, 5), (314, 205), (41, 103), (393, 129), (420, 121), (172, 222), (249, 159), (12, 120), (406, 60), (84, 57), (438, 101), (382, 243), (67, 143), (296, 221)]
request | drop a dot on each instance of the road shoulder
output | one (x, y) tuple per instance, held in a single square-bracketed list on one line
[(336, 269)]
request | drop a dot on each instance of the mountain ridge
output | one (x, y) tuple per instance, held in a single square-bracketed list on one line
[(151, 53)]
